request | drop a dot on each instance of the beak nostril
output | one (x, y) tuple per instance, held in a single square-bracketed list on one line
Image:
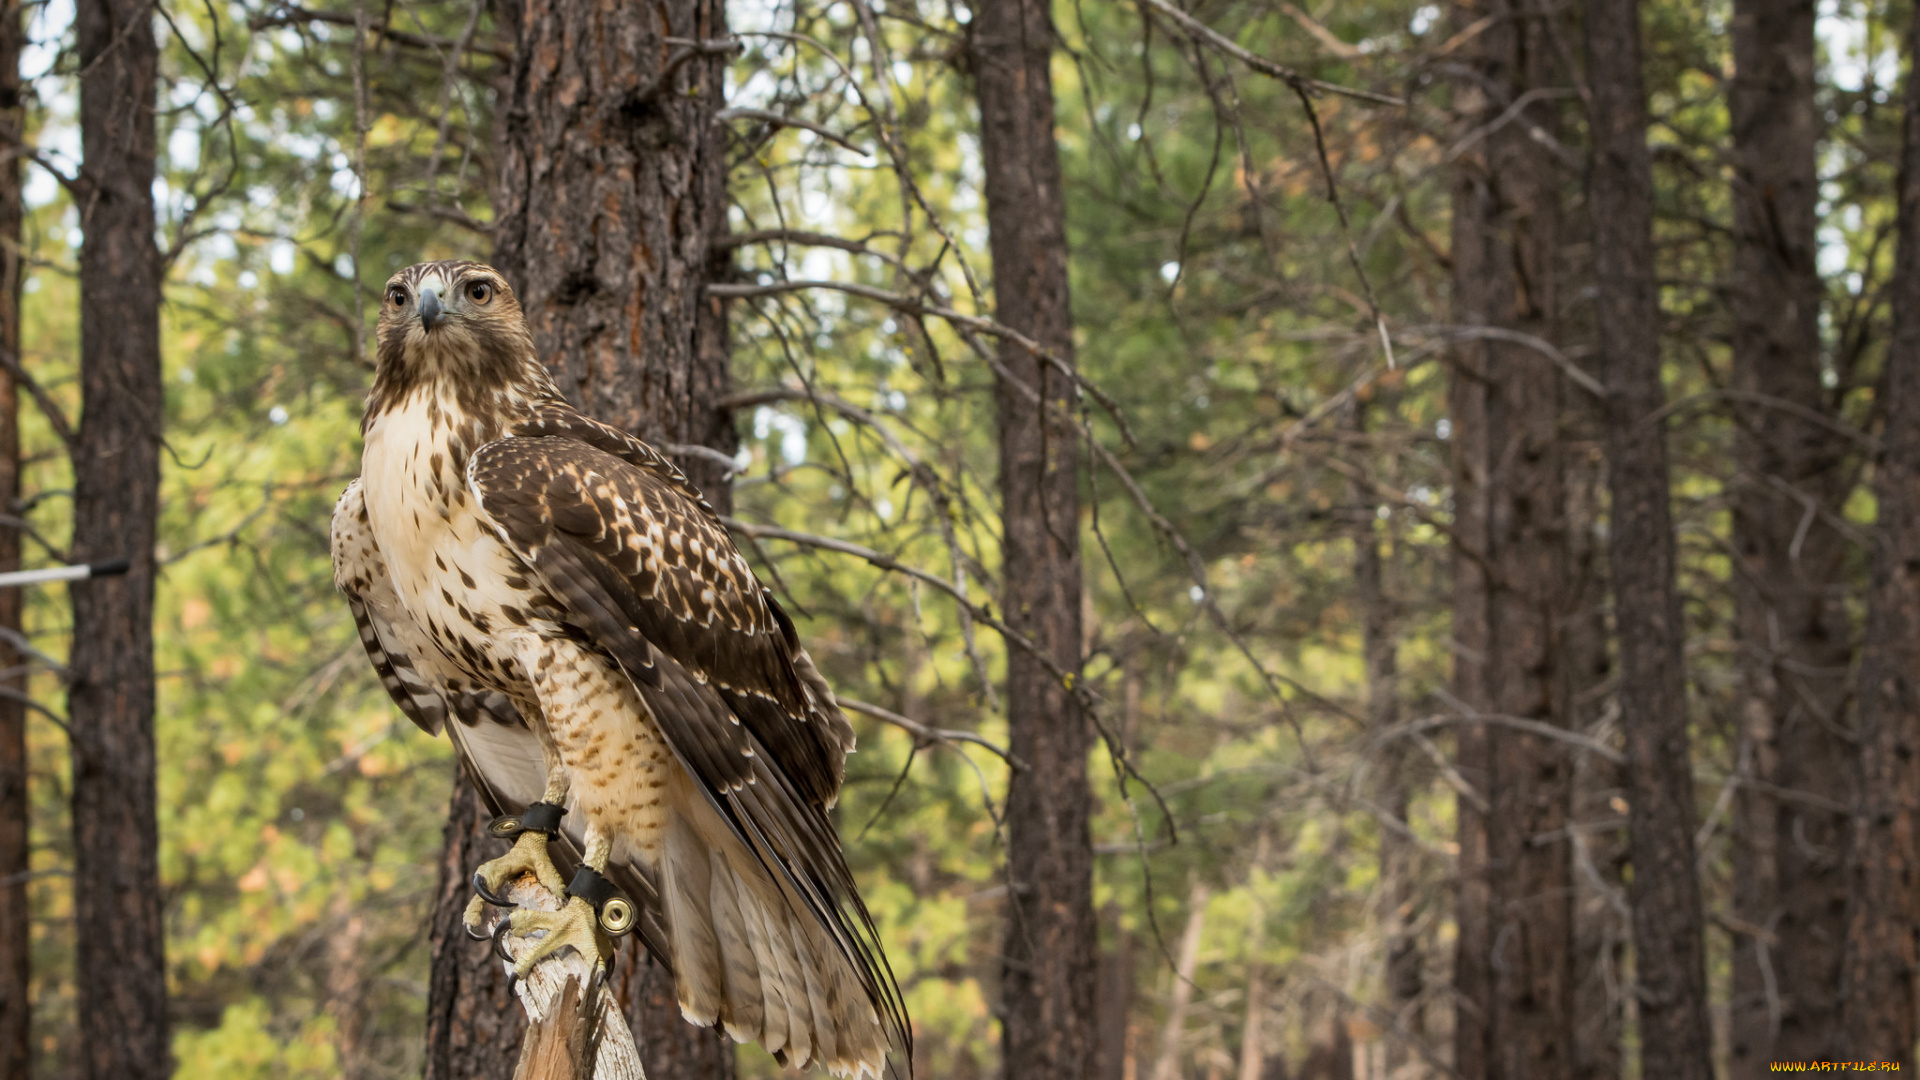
[(430, 310)]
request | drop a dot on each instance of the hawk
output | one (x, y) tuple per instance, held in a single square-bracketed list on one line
[(557, 596)]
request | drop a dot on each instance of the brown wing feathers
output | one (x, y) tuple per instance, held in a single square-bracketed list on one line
[(678, 501), (647, 573), (664, 575)]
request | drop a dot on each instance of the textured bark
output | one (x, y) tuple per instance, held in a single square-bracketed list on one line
[(1790, 618), (16, 1011), (1596, 845), (669, 1046), (608, 200), (474, 1027), (1514, 965), (1881, 997), (609, 194), (1473, 900), (1115, 1001), (1670, 981), (1051, 943), (120, 969)]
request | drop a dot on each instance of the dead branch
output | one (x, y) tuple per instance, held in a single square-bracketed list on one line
[(571, 1035), (780, 120), (1214, 39), (924, 733), (295, 15), (1512, 723)]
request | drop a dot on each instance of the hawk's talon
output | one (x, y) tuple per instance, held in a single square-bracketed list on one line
[(480, 886), (500, 930), (527, 856), (474, 919), (575, 925)]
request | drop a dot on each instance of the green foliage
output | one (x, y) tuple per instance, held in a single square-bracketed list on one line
[(1220, 312)]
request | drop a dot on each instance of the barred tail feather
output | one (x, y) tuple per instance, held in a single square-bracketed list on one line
[(750, 956)]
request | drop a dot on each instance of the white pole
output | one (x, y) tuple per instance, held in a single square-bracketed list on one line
[(75, 572)]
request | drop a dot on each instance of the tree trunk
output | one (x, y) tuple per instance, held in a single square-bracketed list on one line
[(1051, 942), (1881, 998), (119, 961), (1790, 619), (1516, 938), (474, 1027), (16, 1011), (1115, 1001), (1670, 981), (1473, 901), (1597, 848), (1166, 1064), (609, 194), (1380, 655)]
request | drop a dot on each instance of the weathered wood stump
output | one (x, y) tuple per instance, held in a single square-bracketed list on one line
[(575, 1029)]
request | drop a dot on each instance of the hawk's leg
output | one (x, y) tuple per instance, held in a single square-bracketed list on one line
[(534, 829), (578, 923)]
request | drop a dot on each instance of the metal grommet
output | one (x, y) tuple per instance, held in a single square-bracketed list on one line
[(539, 817), (612, 909), (617, 916)]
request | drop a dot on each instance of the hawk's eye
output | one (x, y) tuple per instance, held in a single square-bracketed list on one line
[(397, 296), (480, 291)]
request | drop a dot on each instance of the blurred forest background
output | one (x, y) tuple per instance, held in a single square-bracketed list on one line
[(1436, 722)]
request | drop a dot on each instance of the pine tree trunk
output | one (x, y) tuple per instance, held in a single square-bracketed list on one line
[(1514, 963), (1380, 656), (16, 1047), (1467, 417), (1114, 1003), (121, 972), (1597, 848), (1878, 1008), (1664, 895), (474, 1026), (1790, 619), (1051, 942), (610, 192)]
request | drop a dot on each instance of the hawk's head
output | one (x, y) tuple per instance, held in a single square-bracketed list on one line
[(454, 322)]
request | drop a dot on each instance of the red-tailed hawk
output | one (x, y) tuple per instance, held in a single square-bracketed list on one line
[(556, 595)]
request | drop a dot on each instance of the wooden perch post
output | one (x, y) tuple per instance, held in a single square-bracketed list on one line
[(575, 1029)]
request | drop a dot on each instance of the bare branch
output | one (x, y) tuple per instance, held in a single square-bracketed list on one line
[(781, 120), (915, 306), (923, 733), (295, 15), (1513, 723), (56, 416), (1202, 32)]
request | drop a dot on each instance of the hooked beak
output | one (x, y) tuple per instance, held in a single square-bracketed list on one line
[(430, 310)]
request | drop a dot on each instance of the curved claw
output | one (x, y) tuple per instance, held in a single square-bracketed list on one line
[(499, 946), (487, 894), (474, 919)]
